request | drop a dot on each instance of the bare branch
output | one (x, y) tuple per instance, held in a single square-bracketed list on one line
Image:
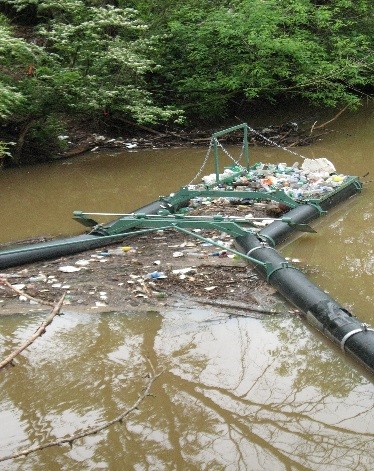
[(90, 431), (5, 282), (40, 331), (241, 306), (329, 121)]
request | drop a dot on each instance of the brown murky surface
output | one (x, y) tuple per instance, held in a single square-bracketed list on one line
[(236, 393)]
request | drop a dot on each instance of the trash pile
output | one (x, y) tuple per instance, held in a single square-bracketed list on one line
[(313, 179), (151, 271)]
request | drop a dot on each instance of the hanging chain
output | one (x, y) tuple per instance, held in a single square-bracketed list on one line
[(204, 163), (225, 151), (273, 143), (237, 162)]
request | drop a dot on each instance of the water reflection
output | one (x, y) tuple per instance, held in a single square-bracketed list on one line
[(236, 394)]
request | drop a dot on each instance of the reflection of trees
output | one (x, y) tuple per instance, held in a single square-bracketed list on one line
[(210, 426), (225, 401), (303, 355)]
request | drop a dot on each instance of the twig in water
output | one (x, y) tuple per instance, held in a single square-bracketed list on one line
[(90, 431), (4, 282), (241, 306), (40, 331), (329, 121)]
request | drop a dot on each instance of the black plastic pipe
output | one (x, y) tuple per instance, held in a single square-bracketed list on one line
[(319, 309), (279, 231), (20, 255)]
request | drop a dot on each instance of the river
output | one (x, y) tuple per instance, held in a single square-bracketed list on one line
[(235, 394)]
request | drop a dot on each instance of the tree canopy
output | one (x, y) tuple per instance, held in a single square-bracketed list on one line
[(264, 49), (151, 62)]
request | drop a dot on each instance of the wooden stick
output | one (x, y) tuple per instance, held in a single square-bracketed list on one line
[(40, 331), (329, 121), (5, 282), (90, 431), (241, 306)]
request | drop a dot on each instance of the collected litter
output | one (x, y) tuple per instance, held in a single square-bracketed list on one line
[(156, 275), (312, 179), (69, 269), (183, 271), (40, 277), (82, 263)]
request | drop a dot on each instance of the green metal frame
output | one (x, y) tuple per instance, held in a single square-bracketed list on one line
[(158, 222), (139, 223), (228, 224), (218, 134), (185, 194), (143, 223)]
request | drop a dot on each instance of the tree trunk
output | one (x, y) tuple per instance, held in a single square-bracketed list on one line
[(17, 155)]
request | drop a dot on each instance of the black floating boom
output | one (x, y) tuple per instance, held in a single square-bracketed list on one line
[(319, 309)]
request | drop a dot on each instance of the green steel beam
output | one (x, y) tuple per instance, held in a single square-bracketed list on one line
[(184, 194), (129, 223), (231, 129), (218, 134)]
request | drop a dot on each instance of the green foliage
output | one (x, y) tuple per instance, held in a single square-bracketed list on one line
[(91, 57), (97, 59), (15, 53), (88, 58), (267, 49), (43, 139)]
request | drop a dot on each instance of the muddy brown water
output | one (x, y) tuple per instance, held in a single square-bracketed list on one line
[(235, 394)]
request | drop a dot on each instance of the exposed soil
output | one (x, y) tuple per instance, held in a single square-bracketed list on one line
[(119, 277), (133, 136)]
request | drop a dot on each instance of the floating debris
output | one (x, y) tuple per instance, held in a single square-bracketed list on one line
[(69, 269)]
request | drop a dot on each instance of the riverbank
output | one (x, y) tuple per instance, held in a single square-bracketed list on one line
[(135, 137)]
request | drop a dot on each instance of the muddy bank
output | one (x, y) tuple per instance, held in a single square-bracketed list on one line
[(78, 140)]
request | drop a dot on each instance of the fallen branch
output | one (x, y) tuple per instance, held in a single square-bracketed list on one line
[(153, 131), (241, 306), (4, 282), (40, 331), (90, 431), (329, 121)]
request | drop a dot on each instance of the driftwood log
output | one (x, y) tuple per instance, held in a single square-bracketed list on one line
[(240, 306)]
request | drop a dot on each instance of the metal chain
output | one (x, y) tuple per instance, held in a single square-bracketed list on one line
[(204, 163), (274, 143), (241, 153), (237, 162), (228, 154)]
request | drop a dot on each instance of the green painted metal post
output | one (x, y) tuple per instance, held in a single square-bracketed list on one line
[(216, 159), (245, 144), (215, 136)]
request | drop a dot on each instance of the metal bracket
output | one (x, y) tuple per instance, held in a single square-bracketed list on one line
[(364, 328), (321, 212), (83, 219), (358, 185), (263, 245), (282, 266)]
